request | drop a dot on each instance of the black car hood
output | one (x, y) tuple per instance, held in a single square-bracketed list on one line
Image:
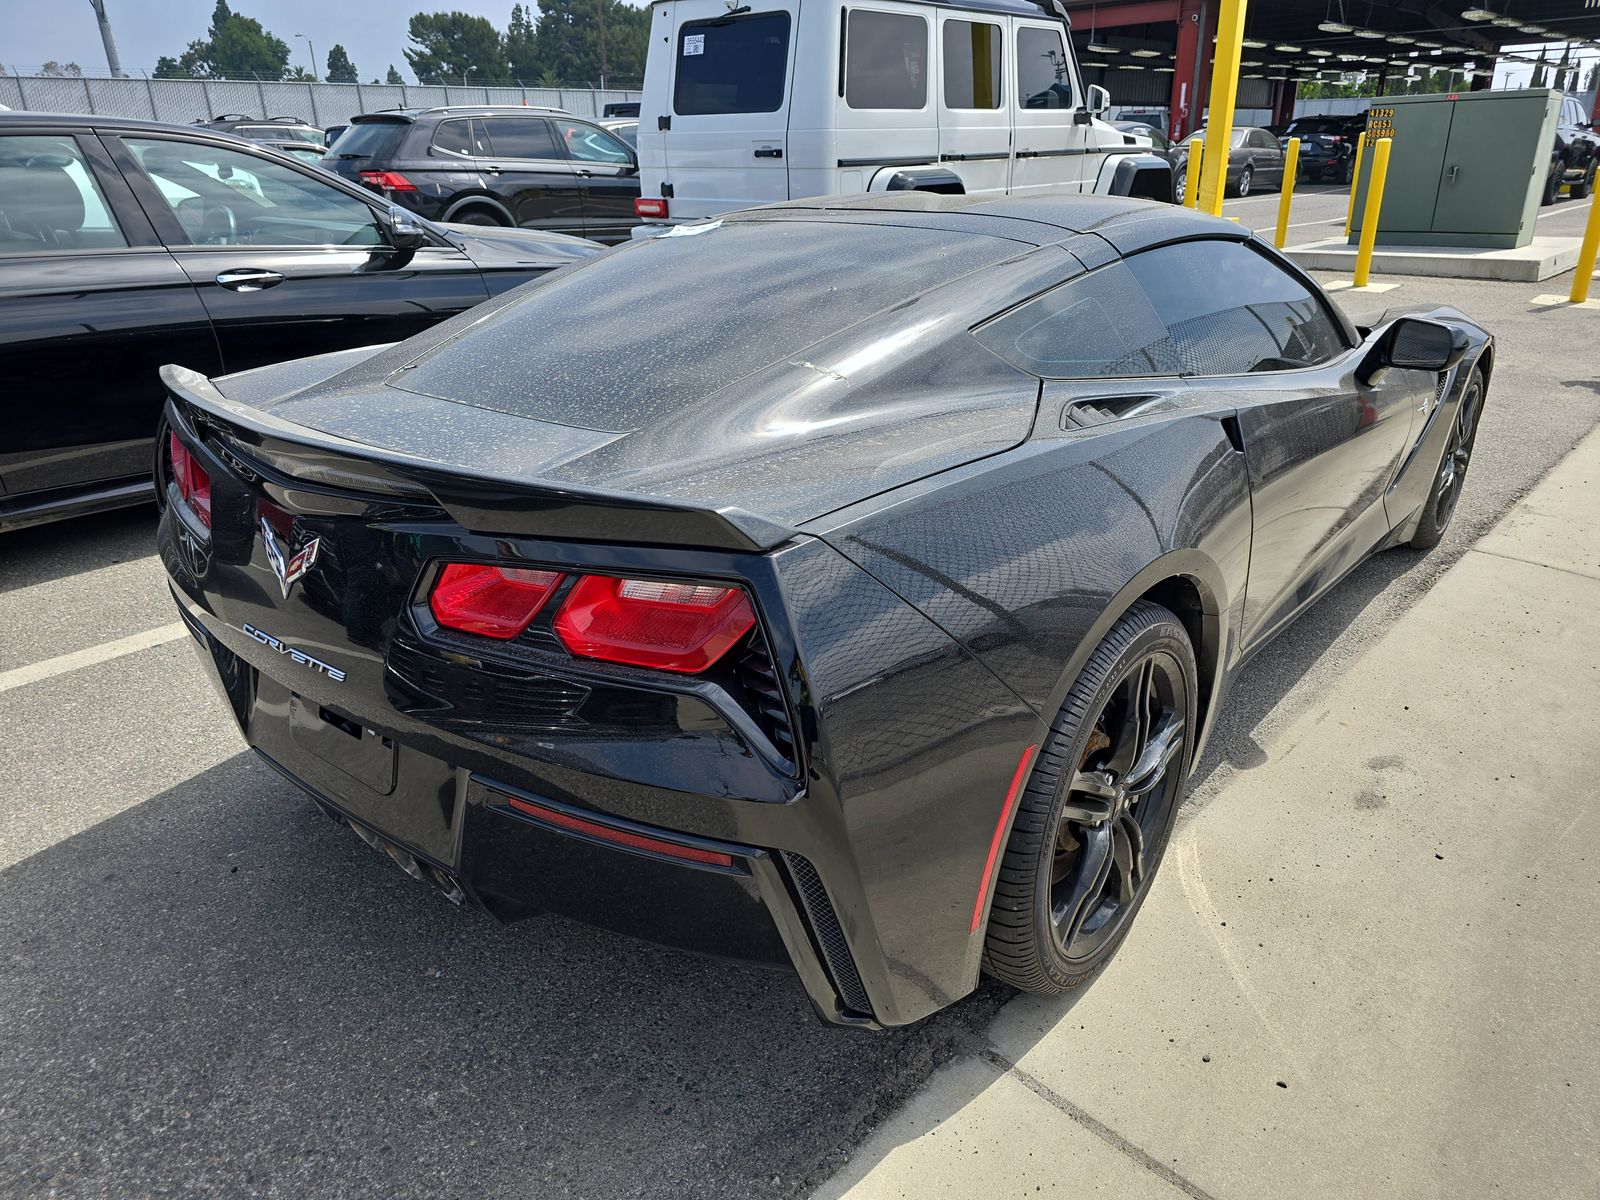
[(493, 246)]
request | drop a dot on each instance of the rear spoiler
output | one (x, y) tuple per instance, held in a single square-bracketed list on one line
[(483, 502)]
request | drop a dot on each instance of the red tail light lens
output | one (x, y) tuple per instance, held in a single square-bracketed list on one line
[(649, 206), (388, 181), (194, 482), (683, 627), (498, 602)]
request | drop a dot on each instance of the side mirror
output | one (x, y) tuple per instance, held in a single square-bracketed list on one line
[(1417, 344), (1099, 99), (403, 231)]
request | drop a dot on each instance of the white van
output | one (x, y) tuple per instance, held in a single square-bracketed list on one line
[(754, 103)]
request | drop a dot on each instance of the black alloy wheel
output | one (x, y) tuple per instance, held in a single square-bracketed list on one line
[(1452, 472), (1094, 820)]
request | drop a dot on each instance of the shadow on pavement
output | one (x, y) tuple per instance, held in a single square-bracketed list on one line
[(221, 992), (42, 553)]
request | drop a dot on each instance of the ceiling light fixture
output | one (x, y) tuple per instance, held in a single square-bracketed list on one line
[(1252, 44), (1100, 48), (1286, 48), (1477, 14), (1145, 52), (1370, 34), (1400, 39)]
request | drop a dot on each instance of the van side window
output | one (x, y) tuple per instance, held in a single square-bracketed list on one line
[(971, 64), (885, 60), (1044, 79), (731, 65)]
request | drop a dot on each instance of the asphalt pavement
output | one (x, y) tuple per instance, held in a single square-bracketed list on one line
[(206, 988)]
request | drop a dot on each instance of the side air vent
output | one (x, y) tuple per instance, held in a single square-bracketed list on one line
[(1438, 388), (1081, 414), (830, 937), (760, 681)]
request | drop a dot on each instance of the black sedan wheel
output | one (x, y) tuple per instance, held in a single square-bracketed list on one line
[(1452, 473), (1094, 820), (1242, 187)]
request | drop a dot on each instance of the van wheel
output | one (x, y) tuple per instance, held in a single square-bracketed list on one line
[(477, 216)]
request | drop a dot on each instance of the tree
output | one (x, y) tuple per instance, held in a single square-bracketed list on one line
[(1593, 81), (393, 76), (1538, 79), (521, 45), (340, 68), (585, 40), (61, 69), (237, 48), (451, 44), (298, 74)]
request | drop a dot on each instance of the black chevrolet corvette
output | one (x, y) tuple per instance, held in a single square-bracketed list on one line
[(849, 584)]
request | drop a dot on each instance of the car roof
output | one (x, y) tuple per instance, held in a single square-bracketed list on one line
[(43, 120), (460, 110), (1127, 224)]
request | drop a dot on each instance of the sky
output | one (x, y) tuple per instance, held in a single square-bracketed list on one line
[(373, 32)]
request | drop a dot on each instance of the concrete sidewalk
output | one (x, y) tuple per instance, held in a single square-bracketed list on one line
[(1370, 966)]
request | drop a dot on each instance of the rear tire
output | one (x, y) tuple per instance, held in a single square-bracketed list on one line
[(478, 216), (1241, 189), (1581, 189), (1098, 808), (1451, 473), (1552, 188), (1347, 172)]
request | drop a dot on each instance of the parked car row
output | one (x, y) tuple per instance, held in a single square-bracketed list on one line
[(130, 244)]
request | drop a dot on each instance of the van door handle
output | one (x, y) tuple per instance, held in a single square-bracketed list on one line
[(491, 169), (769, 152), (584, 173), (249, 279)]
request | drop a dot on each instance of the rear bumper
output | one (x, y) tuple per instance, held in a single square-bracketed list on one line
[(462, 830)]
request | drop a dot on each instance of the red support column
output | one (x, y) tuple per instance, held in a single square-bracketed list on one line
[(1194, 48), (1283, 97)]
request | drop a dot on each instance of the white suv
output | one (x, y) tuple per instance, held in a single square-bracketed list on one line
[(755, 103)]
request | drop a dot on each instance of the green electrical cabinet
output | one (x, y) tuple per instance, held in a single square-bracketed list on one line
[(1465, 168)]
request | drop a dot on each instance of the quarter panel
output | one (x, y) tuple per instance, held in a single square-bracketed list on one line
[(1022, 560)]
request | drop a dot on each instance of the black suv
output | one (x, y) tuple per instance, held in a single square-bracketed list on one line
[(1576, 154), (1327, 145), (536, 167)]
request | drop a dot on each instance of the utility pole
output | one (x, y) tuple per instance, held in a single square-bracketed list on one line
[(311, 47), (112, 61), (600, 8)]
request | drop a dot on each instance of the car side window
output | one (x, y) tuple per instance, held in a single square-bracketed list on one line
[(1097, 326), (1232, 311), (971, 64), (224, 197), (885, 60), (590, 143), (1043, 78), (49, 199), (521, 137), (463, 137)]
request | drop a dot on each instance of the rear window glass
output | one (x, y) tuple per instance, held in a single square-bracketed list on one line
[(732, 65), (376, 139), (971, 64), (702, 311), (885, 60)]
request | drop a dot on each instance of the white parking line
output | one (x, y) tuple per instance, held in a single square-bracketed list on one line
[(105, 652)]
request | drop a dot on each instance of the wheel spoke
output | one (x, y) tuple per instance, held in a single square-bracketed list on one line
[(1156, 758), (1087, 884), (1125, 858), (1090, 799)]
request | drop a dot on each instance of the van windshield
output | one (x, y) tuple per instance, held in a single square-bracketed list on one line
[(732, 65)]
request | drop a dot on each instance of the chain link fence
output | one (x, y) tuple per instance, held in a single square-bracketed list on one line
[(322, 104)]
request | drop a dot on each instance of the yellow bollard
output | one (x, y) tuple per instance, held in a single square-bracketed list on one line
[(1369, 214), (1291, 170), (1224, 92), (1355, 183), (1586, 255), (1191, 186)]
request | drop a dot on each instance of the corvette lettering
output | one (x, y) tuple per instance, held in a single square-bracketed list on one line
[(299, 656)]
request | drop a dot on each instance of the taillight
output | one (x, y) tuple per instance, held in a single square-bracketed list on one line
[(193, 480), (649, 206), (388, 181), (498, 602), (684, 627)]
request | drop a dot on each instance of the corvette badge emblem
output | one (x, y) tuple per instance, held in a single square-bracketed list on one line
[(288, 569)]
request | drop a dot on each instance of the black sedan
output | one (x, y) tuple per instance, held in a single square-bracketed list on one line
[(128, 244), (1255, 160), (872, 627)]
